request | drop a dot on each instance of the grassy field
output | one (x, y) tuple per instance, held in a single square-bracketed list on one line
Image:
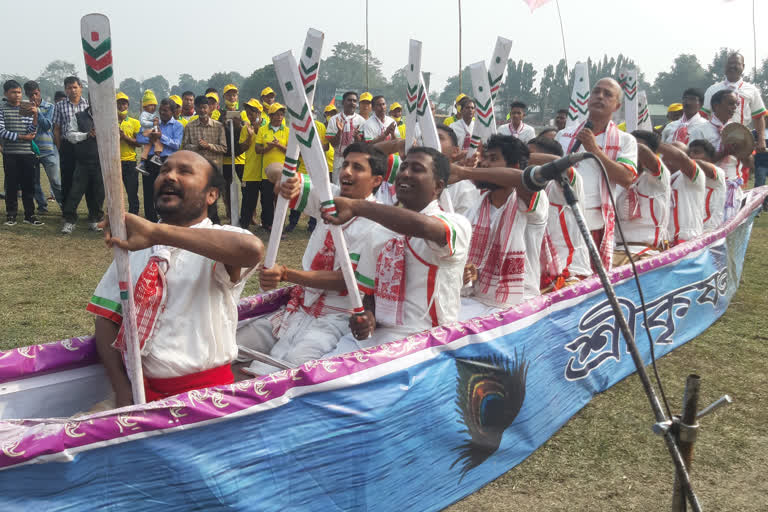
[(604, 459)]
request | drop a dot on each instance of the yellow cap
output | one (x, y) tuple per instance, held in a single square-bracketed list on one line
[(122, 96), (148, 98), (254, 103), (330, 108), (213, 95), (675, 107), (459, 98), (275, 107), (229, 87), (394, 106), (366, 96), (622, 126), (176, 99), (266, 91)]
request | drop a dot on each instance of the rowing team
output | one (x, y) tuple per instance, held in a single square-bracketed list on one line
[(431, 243)]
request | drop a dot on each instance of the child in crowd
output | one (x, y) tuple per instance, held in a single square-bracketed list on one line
[(149, 120)]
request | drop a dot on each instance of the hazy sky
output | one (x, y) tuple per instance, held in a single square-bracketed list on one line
[(200, 38)]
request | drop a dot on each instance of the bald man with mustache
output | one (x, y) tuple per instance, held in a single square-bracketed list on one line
[(617, 151)]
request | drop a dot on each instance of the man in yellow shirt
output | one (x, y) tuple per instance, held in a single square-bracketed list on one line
[(366, 105), (254, 181), (271, 142), (231, 104), (129, 127), (213, 103), (460, 99), (396, 113)]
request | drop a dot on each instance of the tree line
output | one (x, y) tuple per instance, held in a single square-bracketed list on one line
[(345, 69)]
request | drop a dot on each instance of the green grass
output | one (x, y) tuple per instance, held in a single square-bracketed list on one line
[(604, 459)]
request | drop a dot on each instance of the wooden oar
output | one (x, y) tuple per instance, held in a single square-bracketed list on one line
[(303, 128), (484, 89), (485, 119), (577, 110), (310, 63), (413, 79), (97, 47), (234, 187)]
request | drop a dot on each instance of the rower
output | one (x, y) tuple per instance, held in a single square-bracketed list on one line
[(317, 314), (463, 194), (616, 150), (643, 208), (516, 127), (715, 185), (188, 275), (412, 266), (508, 227), (687, 197)]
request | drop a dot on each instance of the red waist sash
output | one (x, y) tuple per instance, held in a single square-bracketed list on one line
[(156, 389)]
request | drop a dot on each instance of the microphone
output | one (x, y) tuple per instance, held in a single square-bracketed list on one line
[(577, 144), (535, 178)]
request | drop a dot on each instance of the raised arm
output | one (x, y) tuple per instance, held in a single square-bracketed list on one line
[(678, 160), (399, 220), (505, 177), (235, 250), (618, 173)]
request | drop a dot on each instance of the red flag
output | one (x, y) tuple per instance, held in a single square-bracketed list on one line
[(535, 4)]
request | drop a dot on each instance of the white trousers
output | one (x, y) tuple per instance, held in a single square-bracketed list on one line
[(305, 339)]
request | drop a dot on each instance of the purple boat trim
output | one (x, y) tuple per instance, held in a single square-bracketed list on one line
[(24, 441)]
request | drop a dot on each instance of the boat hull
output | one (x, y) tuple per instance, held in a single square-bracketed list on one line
[(412, 425)]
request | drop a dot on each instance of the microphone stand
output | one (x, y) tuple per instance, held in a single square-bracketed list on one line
[(662, 425)]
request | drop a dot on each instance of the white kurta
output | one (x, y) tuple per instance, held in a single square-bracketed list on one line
[(668, 134), (463, 132), (374, 127), (563, 230), (353, 123), (750, 100), (433, 275), (591, 174), (710, 131), (196, 331), (464, 196), (529, 225), (306, 336), (652, 190), (714, 202), (524, 133), (686, 218)]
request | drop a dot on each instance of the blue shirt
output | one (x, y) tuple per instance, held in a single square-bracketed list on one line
[(171, 133), (44, 138)]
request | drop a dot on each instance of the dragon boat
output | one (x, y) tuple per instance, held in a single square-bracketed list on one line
[(415, 424)]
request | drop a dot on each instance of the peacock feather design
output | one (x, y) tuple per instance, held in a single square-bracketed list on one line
[(489, 394)]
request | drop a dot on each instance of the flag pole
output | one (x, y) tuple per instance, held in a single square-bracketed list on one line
[(754, 39), (460, 84), (562, 32), (367, 86)]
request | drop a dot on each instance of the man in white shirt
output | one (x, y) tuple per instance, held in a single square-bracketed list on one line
[(516, 127), (750, 109), (317, 314), (677, 131), (724, 104), (343, 129), (617, 151), (380, 127), (188, 275), (643, 208), (412, 269), (465, 124), (717, 189), (688, 193), (508, 227)]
